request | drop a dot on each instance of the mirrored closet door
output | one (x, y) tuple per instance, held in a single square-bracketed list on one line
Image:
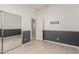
[(12, 31), (0, 31)]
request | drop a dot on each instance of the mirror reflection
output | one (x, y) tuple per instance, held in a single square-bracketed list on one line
[(12, 31), (0, 31)]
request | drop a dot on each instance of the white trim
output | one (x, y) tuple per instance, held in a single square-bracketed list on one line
[(62, 44), (31, 31), (10, 37), (31, 28)]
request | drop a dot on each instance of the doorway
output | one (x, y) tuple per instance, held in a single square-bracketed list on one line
[(33, 29)]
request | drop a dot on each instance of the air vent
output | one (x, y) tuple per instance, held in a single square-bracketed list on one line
[(54, 22)]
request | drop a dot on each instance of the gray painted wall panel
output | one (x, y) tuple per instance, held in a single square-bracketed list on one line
[(0, 32), (67, 37), (11, 32), (26, 36)]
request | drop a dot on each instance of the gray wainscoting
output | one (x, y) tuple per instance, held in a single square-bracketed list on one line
[(67, 37), (26, 36), (11, 32), (0, 32)]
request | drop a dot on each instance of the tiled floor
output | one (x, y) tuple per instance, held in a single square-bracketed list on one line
[(40, 47)]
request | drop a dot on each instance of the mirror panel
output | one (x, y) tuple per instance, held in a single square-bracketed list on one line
[(12, 31), (0, 31)]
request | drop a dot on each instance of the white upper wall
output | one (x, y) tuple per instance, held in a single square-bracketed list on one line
[(25, 11), (0, 21), (67, 15), (12, 21)]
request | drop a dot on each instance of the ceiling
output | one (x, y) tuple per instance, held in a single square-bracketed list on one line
[(39, 6)]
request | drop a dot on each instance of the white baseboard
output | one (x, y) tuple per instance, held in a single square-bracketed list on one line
[(9, 37), (62, 44)]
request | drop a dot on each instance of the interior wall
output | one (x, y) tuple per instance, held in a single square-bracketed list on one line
[(12, 21), (0, 21), (67, 15), (25, 11)]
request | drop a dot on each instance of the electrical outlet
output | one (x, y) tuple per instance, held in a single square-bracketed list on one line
[(57, 38), (25, 39)]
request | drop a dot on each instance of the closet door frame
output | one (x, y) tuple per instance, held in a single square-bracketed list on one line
[(2, 27)]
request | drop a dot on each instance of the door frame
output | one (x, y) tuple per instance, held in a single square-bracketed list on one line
[(31, 29)]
